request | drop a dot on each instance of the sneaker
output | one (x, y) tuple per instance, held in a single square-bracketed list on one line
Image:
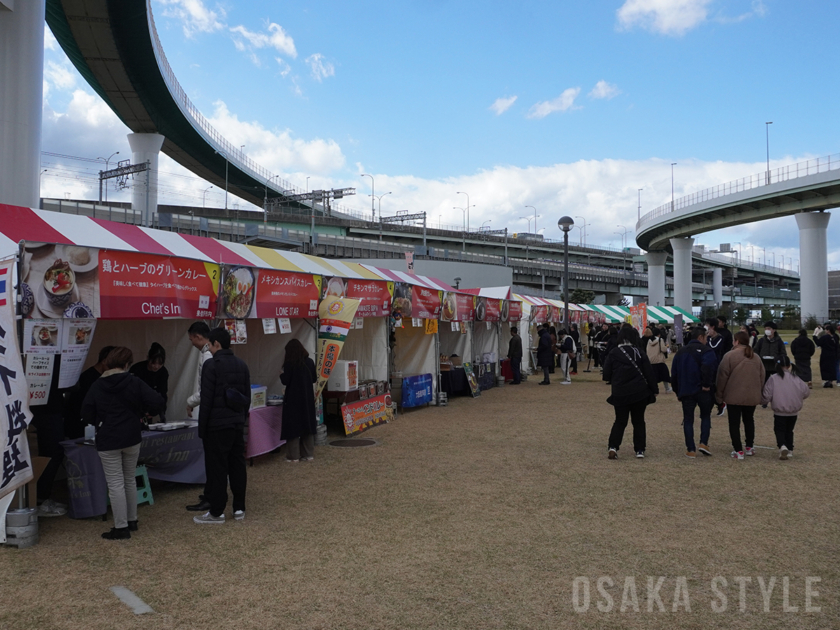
[(544, 383), (790, 453), (749, 451), (132, 526), (691, 454), (784, 453), (307, 459), (292, 461), (574, 373), (50, 508), (201, 506), (669, 389), (737, 454), (704, 449), (117, 534), (565, 382), (613, 454), (721, 409), (640, 454), (827, 385), (239, 515), (209, 519)]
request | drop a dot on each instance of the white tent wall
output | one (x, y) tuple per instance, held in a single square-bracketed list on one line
[(504, 339), (369, 346), (455, 342), (415, 352), (484, 340), (263, 353)]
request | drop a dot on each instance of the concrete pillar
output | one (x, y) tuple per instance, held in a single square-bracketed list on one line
[(813, 270), (717, 286), (21, 100), (145, 147), (656, 277), (682, 272)]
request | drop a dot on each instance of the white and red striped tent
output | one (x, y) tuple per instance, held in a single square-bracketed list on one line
[(497, 293)]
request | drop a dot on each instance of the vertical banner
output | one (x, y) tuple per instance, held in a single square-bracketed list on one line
[(678, 328), (335, 314), (409, 261), (14, 394), (638, 317)]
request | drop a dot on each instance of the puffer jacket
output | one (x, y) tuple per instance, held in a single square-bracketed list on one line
[(222, 371), (739, 380), (115, 404), (655, 350), (785, 394)]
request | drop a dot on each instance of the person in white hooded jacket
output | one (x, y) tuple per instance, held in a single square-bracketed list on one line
[(198, 333), (784, 391)]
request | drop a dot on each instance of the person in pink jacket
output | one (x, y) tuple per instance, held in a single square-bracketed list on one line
[(784, 391)]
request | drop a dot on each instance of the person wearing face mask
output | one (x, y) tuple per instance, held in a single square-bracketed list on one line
[(717, 343), (770, 348)]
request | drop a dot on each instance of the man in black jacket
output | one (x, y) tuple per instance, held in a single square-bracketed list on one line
[(225, 399), (693, 374), (545, 353), (724, 332), (515, 355)]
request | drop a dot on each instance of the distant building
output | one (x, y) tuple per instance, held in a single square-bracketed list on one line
[(834, 294)]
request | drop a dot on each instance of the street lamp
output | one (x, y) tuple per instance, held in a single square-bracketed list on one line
[(223, 154), (107, 162), (482, 225), (767, 129), (566, 224), (535, 218), (528, 219), (39, 180), (372, 200), (763, 257), (307, 183), (265, 201), (463, 226), (204, 197), (673, 164), (639, 213), (468, 208), (379, 201), (583, 231)]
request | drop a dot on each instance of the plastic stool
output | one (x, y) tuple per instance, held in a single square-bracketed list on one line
[(144, 490)]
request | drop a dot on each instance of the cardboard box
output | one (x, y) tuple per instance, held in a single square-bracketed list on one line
[(344, 377), (456, 361)]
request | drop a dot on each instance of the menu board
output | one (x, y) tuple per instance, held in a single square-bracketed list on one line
[(133, 285), (77, 336), (513, 310), (457, 307), (493, 310), (425, 303), (375, 296), (265, 293)]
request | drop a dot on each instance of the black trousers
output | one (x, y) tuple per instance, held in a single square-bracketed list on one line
[(635, 413), (516, 368), (737, 413), (783, 428), (224, 458)]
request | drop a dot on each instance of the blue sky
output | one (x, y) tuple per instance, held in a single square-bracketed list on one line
[(566, 106)]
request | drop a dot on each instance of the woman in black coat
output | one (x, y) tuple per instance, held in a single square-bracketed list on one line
[(634, 387), (828, 355), (154, 374), (545, 353), (299, 424), (802, 349)]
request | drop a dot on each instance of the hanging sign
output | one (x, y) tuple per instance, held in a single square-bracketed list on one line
[(260, 293), (77, 335), (335, 315), (426, 303), (511, 311), (39, 373)]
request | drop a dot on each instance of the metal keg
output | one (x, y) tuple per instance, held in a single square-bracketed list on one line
[(22, 528)]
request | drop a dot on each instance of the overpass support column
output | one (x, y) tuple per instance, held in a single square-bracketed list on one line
[(682, 272), (717, 287), (145, 147), (656, 277), (813, 271), (21, 100)]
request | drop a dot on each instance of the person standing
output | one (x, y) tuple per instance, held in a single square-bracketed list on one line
[(785, 394), (717, 343), (657, 353), (515, 355), (827, 342), (740, 379), (225, 399), (599, 340), (545, 353), (802, 349), (693, 373), (633, 387), (576, 338), (153, 372), (198, 334), (115, 405), (566, 350), (770, 348), (74, 398), (299, 424), (723, 331)]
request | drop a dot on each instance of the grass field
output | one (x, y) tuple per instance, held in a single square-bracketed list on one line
[(487, 513)]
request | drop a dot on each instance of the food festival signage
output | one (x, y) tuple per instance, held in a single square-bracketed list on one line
[(335, 314), (362, 415), (375, 296), (248, 293), (425, 303), (457, 307), (514, 309)]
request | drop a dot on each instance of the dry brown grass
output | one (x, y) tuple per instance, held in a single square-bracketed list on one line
[(476, 515)]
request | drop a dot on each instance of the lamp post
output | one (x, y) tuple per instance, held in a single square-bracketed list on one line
[(566, 224), (767, 129), (372, 200), (379, 201), (204, 197), (380, 215), (673, 164), (639, 211), (224, 155), (482, 225), (583, 231), (763, 256), (107, 162), (623, 250), (738, 251), (463, 226), (468, 208), (535, 218), (39, 180), (307, 182), (528, 219)]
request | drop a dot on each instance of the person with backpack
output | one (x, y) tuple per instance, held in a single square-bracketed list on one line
[(693, 373), (633, 388), (785, 393), (225, 400), (740, 379)]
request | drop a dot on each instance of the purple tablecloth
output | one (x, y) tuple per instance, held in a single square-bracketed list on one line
[(264, 428), (168, 455)]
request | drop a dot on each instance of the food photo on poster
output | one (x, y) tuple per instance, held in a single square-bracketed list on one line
[(402, 299), (238, 292), (283, 294), (58, 281)]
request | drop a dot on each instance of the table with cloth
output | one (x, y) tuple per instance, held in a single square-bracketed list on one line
[(265, 426), (454, 382)]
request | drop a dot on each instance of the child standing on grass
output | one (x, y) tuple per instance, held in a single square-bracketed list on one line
[(785, 393)]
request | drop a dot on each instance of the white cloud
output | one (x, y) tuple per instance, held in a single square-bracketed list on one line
[(275, 38), (668, 17), (194, 15), (50, 43), (285, 68), (757, 10), (502, 104), (320, 69), (562, 103), (606, 90)]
